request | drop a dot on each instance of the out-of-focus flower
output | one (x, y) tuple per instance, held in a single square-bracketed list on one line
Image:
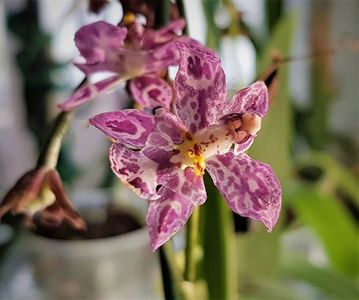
[(135, 53), (40, 192), (163, 158)]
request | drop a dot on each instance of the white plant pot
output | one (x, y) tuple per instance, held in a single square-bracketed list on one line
[(121, 267), (111, 268)]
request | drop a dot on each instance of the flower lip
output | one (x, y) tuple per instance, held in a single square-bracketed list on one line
[(189, 154)]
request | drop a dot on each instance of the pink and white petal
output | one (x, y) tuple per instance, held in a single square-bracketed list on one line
[(167, 132), (151, 91), (160, 58), (129, 127), (153, 38), (242, 147), (99, 40), (135, 170), (199, 86), (88, 91), (166, 216), (187, 184), (249, 187), (253, 99)]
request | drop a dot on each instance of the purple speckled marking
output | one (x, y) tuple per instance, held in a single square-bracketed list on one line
[(89, 91), (166, 216), (242, 147), (253, 99), (250, 188), (129, 127), (135, 170), (151, 91), (200, 83), (187, 184)]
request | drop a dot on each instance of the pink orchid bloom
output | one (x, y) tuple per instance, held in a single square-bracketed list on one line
[(136, 53), (163, 157)]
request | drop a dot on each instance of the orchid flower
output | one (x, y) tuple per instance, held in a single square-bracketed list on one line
[(135, 53), (40, 191), (163, 157)]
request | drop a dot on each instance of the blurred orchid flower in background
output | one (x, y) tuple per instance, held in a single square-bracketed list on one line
[(162, 158), (136, 53)]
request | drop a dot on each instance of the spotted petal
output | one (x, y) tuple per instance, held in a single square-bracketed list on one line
[(151, 91), (88, 91), (98, 43), (187, 184), (253, 99), (128, 127), (240, 148), (199, 86), (135, 170), (166, 216), (250, 188), (169, 131)]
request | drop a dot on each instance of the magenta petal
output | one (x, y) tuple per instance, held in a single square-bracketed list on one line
[(99, 40), (153, 38), (129, 127), (167, 132), (151, 91), (253, 99), (250, 188), (166, 216), (199, 85), (187, 184), (88, 91), (135, 170), (240, 148)]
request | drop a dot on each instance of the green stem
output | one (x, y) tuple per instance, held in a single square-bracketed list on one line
[(191, 244), (218, 242), (49, 154), (171, 275), (162, 13)]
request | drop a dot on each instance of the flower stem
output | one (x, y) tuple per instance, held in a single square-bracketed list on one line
[(49, 154), (162, 15), (171, 275), (191, 244)]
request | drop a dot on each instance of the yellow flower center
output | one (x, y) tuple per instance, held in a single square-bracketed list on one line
[(190, 154)]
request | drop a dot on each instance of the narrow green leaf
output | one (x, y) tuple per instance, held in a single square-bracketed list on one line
[(333, 284), (213, 36), (335, 173), (273, 144), (333, 225)]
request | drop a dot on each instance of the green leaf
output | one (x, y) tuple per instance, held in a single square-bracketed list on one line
[(333, 225), (213, 37), (273, 144), (254, 250), (335, 174), (333, 284)]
